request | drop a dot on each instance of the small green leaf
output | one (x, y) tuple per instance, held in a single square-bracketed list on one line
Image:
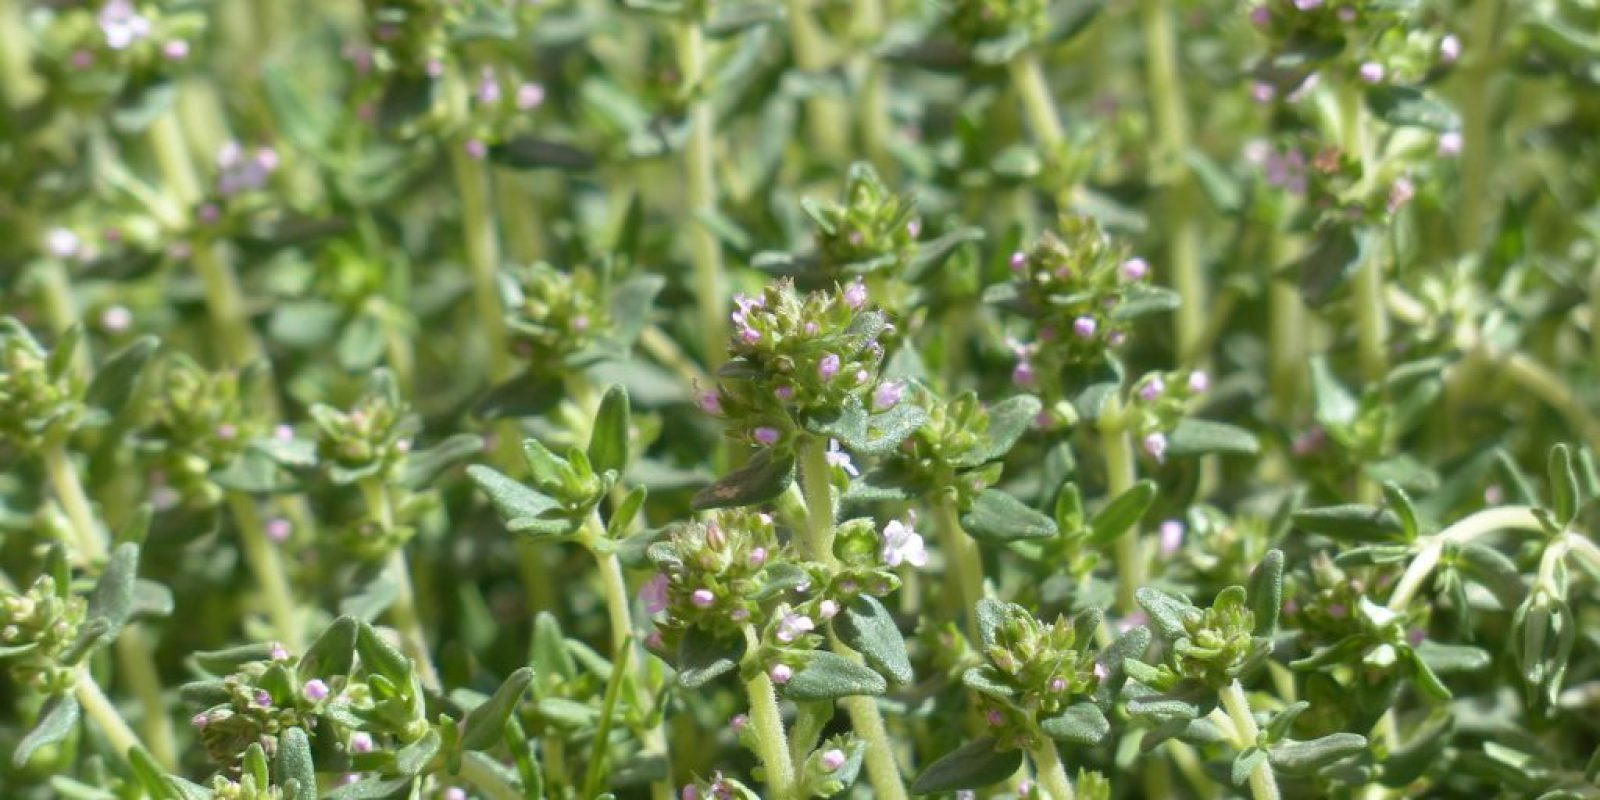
[(531, 152), (1336, 407), (1277, 728), (57, 718), (996, 517), (1122, 513), (117, 378), (381, 657), (511, 499), (1400, 503), (608, 443), (1450, 659), (1166, 611), (294, 762), (1081, 723), (1410, 106), (762, 479), (113, 598), (1245, 763), (1131, 645), (407, 97), (1194, 437), (867, 627), (1353, 523), (1266, 592), (703, 657), (1563, 485), (830, 676), (423, 466), (1009, 419), (485, 724), (974, 765), (1299, 758)]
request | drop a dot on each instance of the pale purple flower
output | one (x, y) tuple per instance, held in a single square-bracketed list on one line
[(914, 228), (863, 376), (1085, 327), (455, 793), (739, 722), (758, 557), (200, 720), (1450, 143), (315, 690), (1019, 261), (1134, 269), (887, 395), (792, 626), (1100, 671), (530, 96), (122, 24), (1262, 92), (702, 598), (832, 759), (1022, 374), (654, 593), (265, 700), (812, 328), (476, 149), (1450, 49), (994, 717), (784, 392), (1493, 494), (1307, 5), (841, 459), (1260, 16), (1155, 445), (1058, 685), (175, 50), (715, 537), (434, 68), (1152, 389), (1117, 338), (855, 295), (239, 171), (488, 87), (766, 435), (1337, 611), (1199, 382), (710, 402), (1400, 193), (116, 319), (1372, 72), (227, 431), (1025, 788), (62, 243), (749, 335), (827, 609), (361, 742), (279, 652), (690, 792), (780, 673), (1134, 619), (1171, 537), (902, 543), (829, 366)]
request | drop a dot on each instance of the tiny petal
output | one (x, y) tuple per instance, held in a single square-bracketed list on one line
[(116, 319), (530, 96), (315, 690), (1450, 49), (1019, 261), (1085, 327), (758, 557), (739, 722), (887, 395), (1372, 72), (827, 609), (1023, 374), (703, 598), (1262, 92), (767, 435), (61, 243), (1135, 269), (829, 366), (361, 742), (1171, 537), (1152, 389), (855, 295), (832, 759), (710, 402), (781, 673), (1260, 16), (476, 149), (1155, 445), (1450, 143), (1199, 382)]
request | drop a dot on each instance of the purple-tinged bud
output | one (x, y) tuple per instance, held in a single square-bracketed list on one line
[(887, 395), (757, 557), (780, 673), (455, 793), (829, 366), (812, 328), (855, 295), (1019, 261), (690, 792), (827, 609), (227, 431), (1152, 389), (832, 759), (863, 377), (315, 690), (265, 700), (1155, 445), (1260, 16), (200, 720), (530, 96), (914, 228), (476, 149), (434, 68), (1025, 788), (1199, 382), (116, 319), (1337, 611), (1347, 14), (654, 593), (1022, 374), (283, 433), (1400, 193), (739, 614), (1450, 49), (1493, 494), (1171, 537), (1307, 5), (1100, 671), (62, 243), (1372, 72), (739, 722), (279, 652), (361, 742), (994, 717), (1085, 327), (1135, 269), (1262, 92), (702, 598), (711, 403), (1416, 636), (1117, 338), (766, 435), (716, 539), (749, 335), (1450, 144), (1058, 685)]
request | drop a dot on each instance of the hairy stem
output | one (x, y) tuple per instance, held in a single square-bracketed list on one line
[(1465, 530), (962, 559), (404, 610), (766, 728), (1263, 784), (487, 780), (1050, 772), (270, 574), (826, 125), (68, 488), (19, 87), (136, 660), (1027, 75), (98, 707), (483, 255), (1477, 196), (701, 193), (1120, 477)]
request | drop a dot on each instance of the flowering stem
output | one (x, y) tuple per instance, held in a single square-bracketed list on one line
[(1052, 775), (766, 728), (1028, 78), (701, 190), (825, 122), (404, 610), (136, 659), (1372, 323), (1172, 132), (1263, 784), (962, 558), (270, 574), (483, 255), (1476, 156), (69, 492), (1482, 523), (817, 488), (99, 708), (1120, 477)]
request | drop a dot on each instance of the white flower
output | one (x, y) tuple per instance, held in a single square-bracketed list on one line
[(902, 543), (793, 626), (122, 24), (841, 459)]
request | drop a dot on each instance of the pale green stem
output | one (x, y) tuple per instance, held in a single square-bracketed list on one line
[(1372, 321), (962, 559), (69, 492), (1288, 318), (19, 87), (61, 308), (483, 256), (267, 567), (404, 610), (700, 187), (1263, 784), (1120, 477), (171, 152), (1172, 138), (136, 659), (1594, 315), (1477, 195), (1028, 77), (488, 781), (1048, 769), (826, 123), (1465, 530), (98, 707), (520, 216), (659, 346), (865, 716), (875, 120), (766, 728)]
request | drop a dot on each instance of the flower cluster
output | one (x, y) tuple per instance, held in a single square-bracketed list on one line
[(39, 396), (1365, 42), (553, 315), (1045, 666), (716, 575), (198, 422), (978, 21), (1160, 401), (371, 439), (37, 628), (872, 230)]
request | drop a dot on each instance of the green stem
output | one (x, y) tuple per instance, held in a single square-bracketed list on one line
[(98, 707), (701, 190), (61, 308), (270, 574), (1372, 322), (1594, 315), (961, 558), (766, 728), (816, 485), (69, 492), (1465, 530), (404, 610), (136, 659), (171, 152), (483, 255), (1049, 770), (1288, 316), (1120, 477), (826, 125), (1477, 196), (524, 233), (867, 720), (1263, 784), (19, 87), (876, 124), (1028, 77), (487, 780)]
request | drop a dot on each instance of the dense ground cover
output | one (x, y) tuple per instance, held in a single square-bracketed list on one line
[(477, 398)]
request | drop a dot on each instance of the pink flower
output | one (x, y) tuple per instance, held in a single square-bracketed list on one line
[(315, 690), (1022, 374), (476, 149), (832, 759), (781, 673), (1019, 261), (1450, 49), (175, 50), (739, 722), (1450, 143), (361, 742), (1199, 382), (793, 626), (887, 395), (1155, 445), (1152, 389), (530, 96), (654, 593), (1171, 537), (116, 319), (702, 598), (710, 402), (767, 435), (1085, 327), (1372, 72), (1262, 92), (1135, 269), (758, 556), (855, 295), (827, 609), (1260, 16), (841, 459), (829, 366), (1400, 193)]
